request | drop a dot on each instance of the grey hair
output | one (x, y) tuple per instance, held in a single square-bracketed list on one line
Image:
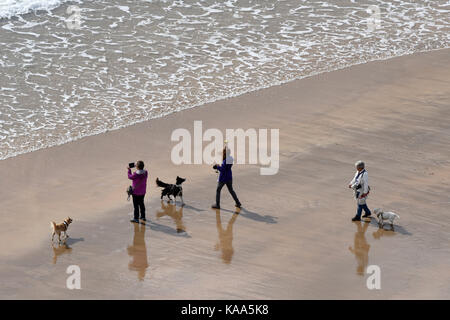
[(360, 164)]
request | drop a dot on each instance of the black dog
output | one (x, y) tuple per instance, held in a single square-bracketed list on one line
[(175, 190)]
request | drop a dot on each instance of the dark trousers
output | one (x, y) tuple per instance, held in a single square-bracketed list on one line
[(360, 209), (229, 184), (138, 203)]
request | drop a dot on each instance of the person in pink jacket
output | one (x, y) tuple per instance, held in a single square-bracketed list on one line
[(139, 178)]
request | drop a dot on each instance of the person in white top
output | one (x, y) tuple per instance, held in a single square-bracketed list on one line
[(360, 186)]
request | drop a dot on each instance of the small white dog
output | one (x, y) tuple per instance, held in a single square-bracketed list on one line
[(381, 215)]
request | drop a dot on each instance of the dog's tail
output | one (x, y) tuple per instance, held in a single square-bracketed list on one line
[(398, 217), (53, 225), (161, 184)]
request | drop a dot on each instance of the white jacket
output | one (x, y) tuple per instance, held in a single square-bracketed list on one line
[(363, 179)]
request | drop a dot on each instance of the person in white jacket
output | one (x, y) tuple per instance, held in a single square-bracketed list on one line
[(360, 186)]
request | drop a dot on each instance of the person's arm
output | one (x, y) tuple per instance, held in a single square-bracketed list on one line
[(131, 176), (220, 168), (351, 184), (365, 184)]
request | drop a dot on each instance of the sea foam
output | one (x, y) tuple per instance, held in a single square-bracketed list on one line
[(11, 8)]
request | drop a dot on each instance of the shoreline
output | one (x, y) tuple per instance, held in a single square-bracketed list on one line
[(294, 240), (315, 74)]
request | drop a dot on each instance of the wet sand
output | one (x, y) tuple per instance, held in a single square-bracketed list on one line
[(292, 240)]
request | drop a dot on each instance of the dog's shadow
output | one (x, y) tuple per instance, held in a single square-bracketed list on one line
[(183, 205), (387, 230), (63, 247), (71, 241), (254, 216)]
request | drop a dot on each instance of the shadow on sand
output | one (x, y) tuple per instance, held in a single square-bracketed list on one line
[(162, 228), (254, 216), (187, 206), (387, 231)]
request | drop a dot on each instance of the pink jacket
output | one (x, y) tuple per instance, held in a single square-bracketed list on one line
[(139, 179)]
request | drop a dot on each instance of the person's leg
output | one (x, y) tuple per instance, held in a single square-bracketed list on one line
[(218, 190), (366, 210), (233, 194), (142, 206), (136, 207), (359, 211)]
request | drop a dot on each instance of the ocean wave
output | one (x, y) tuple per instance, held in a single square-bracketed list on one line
[(11, 8), (63, 140)]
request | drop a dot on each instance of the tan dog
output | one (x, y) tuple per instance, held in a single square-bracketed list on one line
[(62, 227)]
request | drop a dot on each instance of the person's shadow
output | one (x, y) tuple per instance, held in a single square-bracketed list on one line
[(171, 211), (254, 215), (360, 247), (225, 243), (138, 252), (63, 248)]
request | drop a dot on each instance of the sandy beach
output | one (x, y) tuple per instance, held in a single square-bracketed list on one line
[(293, 239)]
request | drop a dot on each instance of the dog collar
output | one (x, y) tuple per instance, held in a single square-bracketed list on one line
[(67, 225)]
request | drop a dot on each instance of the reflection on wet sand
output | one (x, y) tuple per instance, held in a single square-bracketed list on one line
[(361, 247), (383, 233), (225, 243), (63, 247), (59, 250), (138, 251), (171, 211)]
